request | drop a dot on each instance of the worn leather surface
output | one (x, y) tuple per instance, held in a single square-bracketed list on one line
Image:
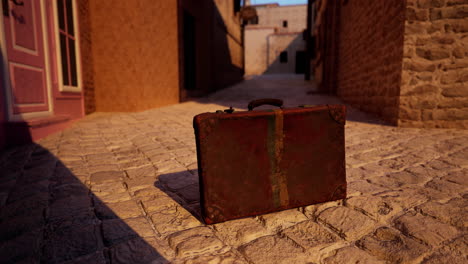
[(262, 161)]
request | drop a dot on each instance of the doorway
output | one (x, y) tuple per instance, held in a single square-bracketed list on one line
[(301, 62), (27, 85), (190, 71)]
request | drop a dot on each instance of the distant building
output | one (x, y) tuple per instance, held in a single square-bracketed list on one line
[(274, 41), (64, 59)]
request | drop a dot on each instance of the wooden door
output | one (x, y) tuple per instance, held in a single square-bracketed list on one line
[(190, 69), (300, 62), (27, 86)]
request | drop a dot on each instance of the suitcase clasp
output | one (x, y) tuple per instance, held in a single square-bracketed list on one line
[(229, 111)]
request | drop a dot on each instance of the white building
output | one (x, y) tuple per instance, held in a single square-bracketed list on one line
[(274, 40)]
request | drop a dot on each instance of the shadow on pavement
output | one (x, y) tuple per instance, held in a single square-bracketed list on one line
[(293, 90), (49, 215), (184, 188)]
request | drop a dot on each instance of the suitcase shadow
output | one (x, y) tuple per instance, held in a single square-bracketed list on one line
[(183, 188)]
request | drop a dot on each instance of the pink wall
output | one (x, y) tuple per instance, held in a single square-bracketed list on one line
[(2, 112), (65, 103), (68, 106)]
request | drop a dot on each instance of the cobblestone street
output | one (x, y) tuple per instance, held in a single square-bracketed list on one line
[(123, 188)]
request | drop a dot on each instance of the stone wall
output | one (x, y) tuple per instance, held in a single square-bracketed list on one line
[(369, 52), (86, 56), (434, 86)]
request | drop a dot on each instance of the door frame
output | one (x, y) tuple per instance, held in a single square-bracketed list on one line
[(6, 71)]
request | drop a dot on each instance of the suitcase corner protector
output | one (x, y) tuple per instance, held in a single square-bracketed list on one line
[(208, 221)]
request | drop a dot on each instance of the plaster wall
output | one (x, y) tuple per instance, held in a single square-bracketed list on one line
[(266, 40), (134, 54), (218, 45), (296, 15), (256, 61), (228, 52), (288, 42)]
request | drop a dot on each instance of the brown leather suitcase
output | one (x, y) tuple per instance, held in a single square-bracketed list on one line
[(255, 162)]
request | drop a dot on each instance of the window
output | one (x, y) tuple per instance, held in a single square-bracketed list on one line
[(253, 21), (237, 6), (285, 23), (67, 45), (284, 57)]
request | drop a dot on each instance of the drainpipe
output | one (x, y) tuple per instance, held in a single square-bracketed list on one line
[(308, 40), (241, 22)]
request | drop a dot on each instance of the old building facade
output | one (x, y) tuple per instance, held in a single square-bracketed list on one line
[(41, 77), (63, 59), (274, 40), (405, 61)]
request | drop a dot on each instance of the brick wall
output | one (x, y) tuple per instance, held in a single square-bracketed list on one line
[(434, 86), (369, 52), (86, 56)]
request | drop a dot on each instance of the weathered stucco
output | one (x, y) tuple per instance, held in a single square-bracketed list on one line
[(255, 47), (135, 54), (266, 40)]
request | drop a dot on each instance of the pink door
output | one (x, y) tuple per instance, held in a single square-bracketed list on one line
[(28, 89)]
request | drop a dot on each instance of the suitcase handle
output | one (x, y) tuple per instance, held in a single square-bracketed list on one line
[(265, 101)]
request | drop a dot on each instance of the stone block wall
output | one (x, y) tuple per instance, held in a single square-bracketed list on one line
[(86, 56), (369, 50), (434, 85)]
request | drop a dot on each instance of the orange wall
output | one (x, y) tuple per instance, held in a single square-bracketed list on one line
[(135, 54)]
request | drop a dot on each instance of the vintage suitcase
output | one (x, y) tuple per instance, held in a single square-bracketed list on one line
[(255, 162)]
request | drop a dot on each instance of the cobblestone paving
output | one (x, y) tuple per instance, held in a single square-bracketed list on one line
[(123, 188)]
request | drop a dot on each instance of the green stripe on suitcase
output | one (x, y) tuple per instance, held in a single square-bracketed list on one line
[(275, 152)]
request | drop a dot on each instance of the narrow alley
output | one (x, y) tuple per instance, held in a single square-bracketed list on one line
[(123, 188)]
